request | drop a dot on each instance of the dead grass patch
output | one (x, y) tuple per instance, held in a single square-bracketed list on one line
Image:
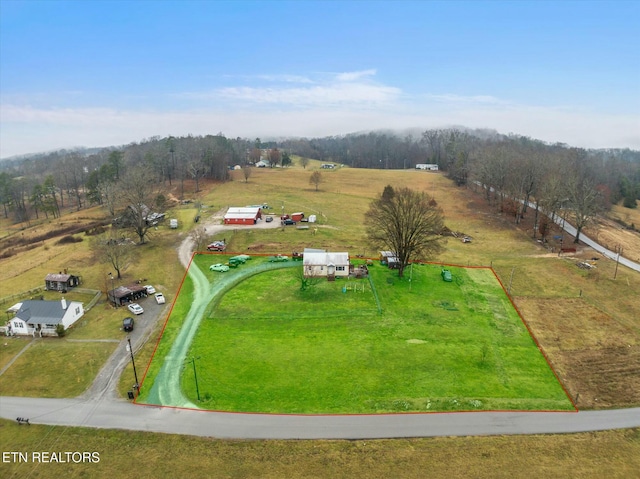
[(611, 454), (597, 357), (55, 368)]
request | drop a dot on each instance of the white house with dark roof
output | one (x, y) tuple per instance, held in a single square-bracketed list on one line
[(323, 263), (41, 318)]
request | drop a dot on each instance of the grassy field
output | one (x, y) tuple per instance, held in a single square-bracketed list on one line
[(73, 365), (611, 454), (551, 291), (271, 347)]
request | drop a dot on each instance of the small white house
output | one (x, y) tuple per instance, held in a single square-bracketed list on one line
[(39, 317), (427, 166), (317, 263)]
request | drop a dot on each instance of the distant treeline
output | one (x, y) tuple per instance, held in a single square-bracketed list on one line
[(556, 176)]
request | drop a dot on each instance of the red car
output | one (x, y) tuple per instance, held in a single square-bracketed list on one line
[(217, 246)]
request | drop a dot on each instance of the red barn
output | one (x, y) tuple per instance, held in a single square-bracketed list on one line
[(242, 216)]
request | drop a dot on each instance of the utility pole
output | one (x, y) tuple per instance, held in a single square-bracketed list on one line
[(113, 289), (195, 375), (619, 250), (135, 374)]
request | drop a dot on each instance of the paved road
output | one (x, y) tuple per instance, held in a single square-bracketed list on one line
[(119, 414), (584, 238), (599, 248), (100, 408)]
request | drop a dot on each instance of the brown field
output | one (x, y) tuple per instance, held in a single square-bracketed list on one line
[(612, 235), (597, 358), (611, 454), (587, 323)]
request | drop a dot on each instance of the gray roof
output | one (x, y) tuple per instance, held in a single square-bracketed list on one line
[(41, 312), (325, 259), (58, 277)]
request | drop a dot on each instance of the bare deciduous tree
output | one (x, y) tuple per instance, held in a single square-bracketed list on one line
[(199, 237), (584, 202), (246, 172), (139, 194), (316, 179), (113, 249), (407, 222), (274, 157)]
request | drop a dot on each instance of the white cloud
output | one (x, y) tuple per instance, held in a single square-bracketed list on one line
[(336, 94), (353, 76), (298, 106), (332, 90)]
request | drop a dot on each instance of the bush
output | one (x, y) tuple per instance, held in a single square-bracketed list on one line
[(98, 230), (629, 202), (69, 239), (60, 331)]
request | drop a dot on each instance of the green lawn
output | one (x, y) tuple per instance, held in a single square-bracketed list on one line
[(55, 367), (436, 346)]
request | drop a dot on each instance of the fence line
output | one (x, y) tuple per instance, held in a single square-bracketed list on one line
[(97, 294), (13, 297), (375, 294)]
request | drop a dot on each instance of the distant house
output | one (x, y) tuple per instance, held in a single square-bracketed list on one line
[(41, 318), (319, 263), (243, 216), (60, 282), (427, 166)]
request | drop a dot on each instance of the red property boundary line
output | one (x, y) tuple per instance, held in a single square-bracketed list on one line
[(524, 322), (535, 340), (186, 272)]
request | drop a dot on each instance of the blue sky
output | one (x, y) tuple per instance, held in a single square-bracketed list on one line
[(100, 73)]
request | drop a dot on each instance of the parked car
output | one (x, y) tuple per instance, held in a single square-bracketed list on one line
[(217, 246), (288, 221), (127, 324), (135, 308), (173, 223), (222, 268), (269, 219), (446, 275), (150, 289), (278, 258), (160, 298)]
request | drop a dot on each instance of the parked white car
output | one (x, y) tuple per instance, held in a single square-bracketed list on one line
[(135, 308), (160, 298), (150, 289)]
